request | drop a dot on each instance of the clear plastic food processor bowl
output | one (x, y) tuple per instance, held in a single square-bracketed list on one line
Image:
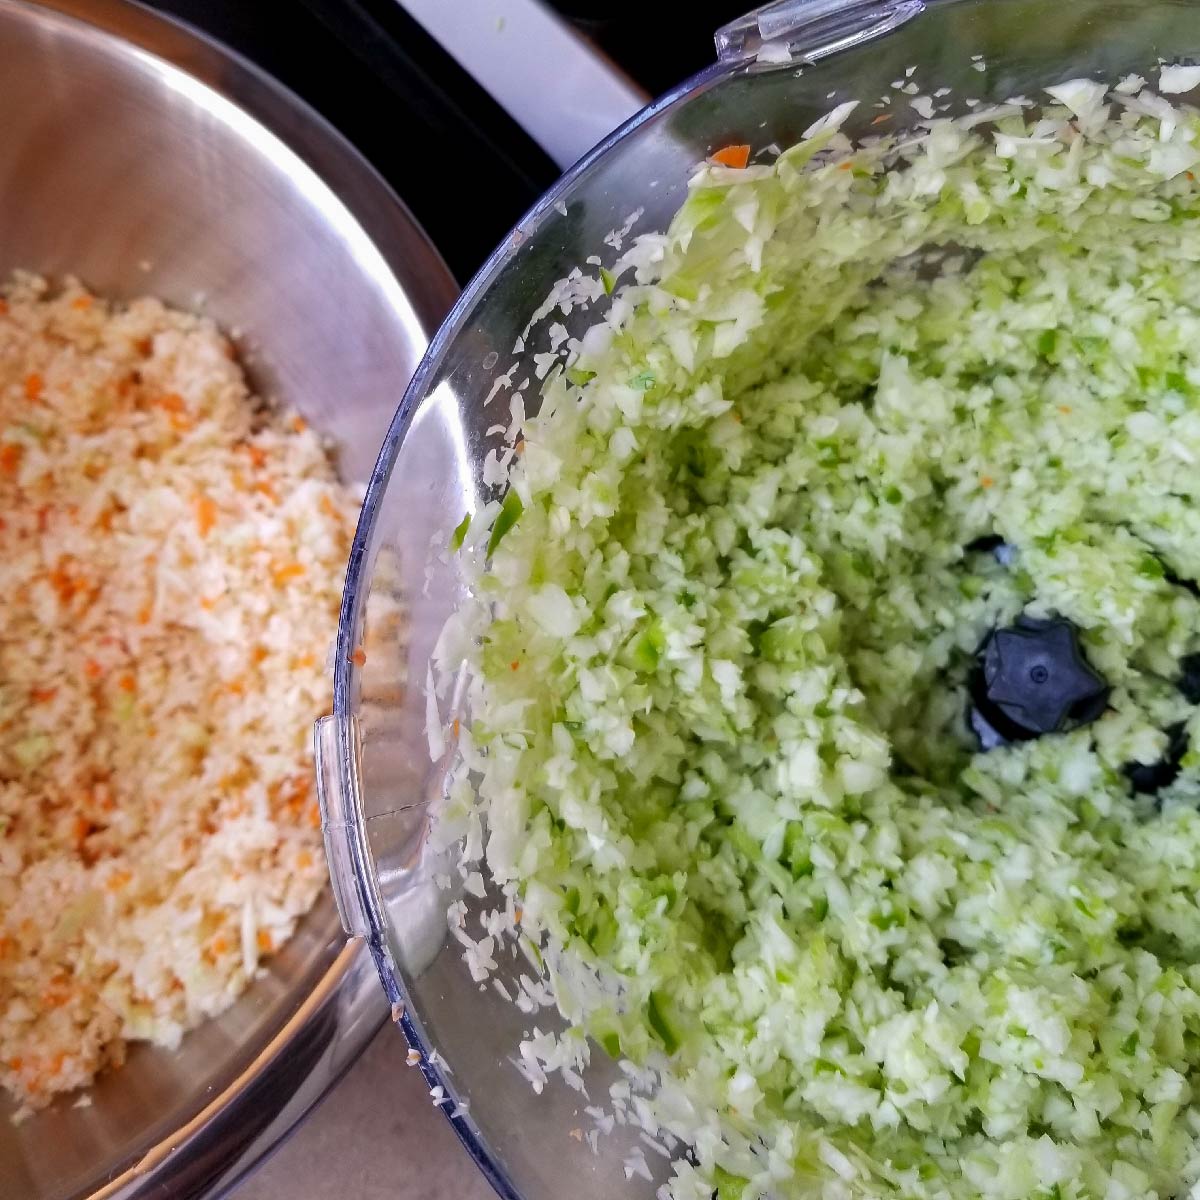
[(377, 780)]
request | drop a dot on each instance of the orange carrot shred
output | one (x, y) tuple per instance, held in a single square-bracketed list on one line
[(266, 943), (299, 424), (92, 669), (986, 481), (33, 385), (206, 514), (172, 402), (515, 664), (359, 657), (10, 457), (126, 683), (282, 574), (82, 303), (879, 120), (733, 156)]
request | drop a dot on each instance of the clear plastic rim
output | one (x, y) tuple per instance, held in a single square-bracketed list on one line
[(354, 597)]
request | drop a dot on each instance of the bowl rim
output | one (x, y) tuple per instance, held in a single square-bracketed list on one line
[(334, 1021)]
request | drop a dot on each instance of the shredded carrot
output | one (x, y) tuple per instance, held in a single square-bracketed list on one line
[(10, 457), (6, 944), (82, 303), (33, 386), (144, 614), (144, 346), (518, 913), (986, 481), (65, 584), (15, 1064), (733, 156), (126, 683), (1191, 176), (266, 943), (845, 164), (208, 603), (455, 727), (3, 308), (258, 456), (1065, 409), (180, 424), (359, 657), (514, 664), (219, 944), (287, 571), (326, 505), (92, 669), (879, 120), (314, 816), (304, 860), (237, 687), (267, 489), (172, 402), (80, 829), (117, 880), (258, 654), (43, 695), (302, 662), (56, 1063), (206, 514), (299, 424)]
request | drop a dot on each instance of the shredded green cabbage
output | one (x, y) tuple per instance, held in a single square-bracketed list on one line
[(717, 710)]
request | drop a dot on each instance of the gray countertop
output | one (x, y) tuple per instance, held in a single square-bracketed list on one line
[(376, 1136)]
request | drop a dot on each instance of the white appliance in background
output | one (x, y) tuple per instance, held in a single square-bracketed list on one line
[(547, 77)]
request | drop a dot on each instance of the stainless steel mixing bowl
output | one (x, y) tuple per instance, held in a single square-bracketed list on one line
[(146, 159)]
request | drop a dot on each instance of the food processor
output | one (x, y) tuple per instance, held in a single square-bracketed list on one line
[(777, 70)]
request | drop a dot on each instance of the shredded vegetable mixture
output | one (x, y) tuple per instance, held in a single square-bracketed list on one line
[(719, 665), (170, 551)]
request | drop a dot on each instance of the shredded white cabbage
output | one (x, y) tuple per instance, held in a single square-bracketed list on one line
[(718, 687)]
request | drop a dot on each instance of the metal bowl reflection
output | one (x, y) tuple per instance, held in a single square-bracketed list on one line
[(146, 159)]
